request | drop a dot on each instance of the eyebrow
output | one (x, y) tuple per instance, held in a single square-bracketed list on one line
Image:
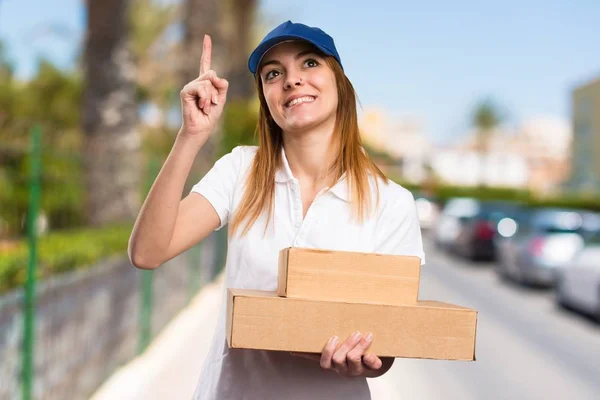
[(301, 54)]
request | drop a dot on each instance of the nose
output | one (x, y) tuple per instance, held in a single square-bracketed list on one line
[(293, 80)]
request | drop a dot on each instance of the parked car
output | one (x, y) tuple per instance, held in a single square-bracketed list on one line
[(447, 227), (544, 240), (428, 210), (476, 232), (578, 284)]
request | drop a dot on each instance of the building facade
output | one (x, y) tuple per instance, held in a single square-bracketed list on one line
[(585, 149)]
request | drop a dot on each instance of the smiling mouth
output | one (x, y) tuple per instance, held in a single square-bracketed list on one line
[(300, 100)]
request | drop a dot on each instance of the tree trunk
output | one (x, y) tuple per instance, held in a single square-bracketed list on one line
[(241, 82), (112, 144), (201, 17), (229, 23)]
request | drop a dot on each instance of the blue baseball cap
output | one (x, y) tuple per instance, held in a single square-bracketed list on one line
[(289, 31)]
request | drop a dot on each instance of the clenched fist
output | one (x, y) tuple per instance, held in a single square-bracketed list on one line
[(203, 99)]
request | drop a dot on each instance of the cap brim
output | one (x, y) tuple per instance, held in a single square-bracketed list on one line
[(258, 53)]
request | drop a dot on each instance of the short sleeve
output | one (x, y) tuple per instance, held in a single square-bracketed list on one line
[(399, 230), (219, 183)]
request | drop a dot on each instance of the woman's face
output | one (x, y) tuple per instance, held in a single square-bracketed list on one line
[(299, 87)]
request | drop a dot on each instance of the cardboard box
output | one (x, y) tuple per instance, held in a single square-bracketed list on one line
[(348, 276), (429, 329)]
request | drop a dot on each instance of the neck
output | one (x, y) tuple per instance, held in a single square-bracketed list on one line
[(310, 154)]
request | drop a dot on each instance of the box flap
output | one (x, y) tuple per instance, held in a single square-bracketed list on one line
[(441, 304), (229, 322), (282, 273), (325, 251)]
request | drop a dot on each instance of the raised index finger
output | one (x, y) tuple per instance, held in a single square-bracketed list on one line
[(206, 54)]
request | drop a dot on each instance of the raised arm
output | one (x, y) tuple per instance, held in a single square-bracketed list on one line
[(167, 225)]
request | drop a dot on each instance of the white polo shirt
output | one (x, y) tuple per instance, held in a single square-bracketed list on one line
[(236, 374)]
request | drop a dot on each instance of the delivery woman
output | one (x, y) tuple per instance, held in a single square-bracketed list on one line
[(309, 183)]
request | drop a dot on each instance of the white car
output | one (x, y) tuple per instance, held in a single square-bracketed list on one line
[(578, 285), (427, 210), (447, 226)]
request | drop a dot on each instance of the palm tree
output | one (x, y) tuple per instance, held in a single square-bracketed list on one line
[(202, 17), (229, 23), (153, 52), (110, 115), (486, 118), (243, 16)]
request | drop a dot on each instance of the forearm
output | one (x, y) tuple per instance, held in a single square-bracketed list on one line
[(155, 223)]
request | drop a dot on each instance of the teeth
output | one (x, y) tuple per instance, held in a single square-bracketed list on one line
[(299, 100)]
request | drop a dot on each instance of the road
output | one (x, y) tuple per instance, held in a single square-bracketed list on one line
[(527, 347)]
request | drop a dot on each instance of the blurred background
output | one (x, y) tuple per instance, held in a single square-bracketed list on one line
[(488, 112)]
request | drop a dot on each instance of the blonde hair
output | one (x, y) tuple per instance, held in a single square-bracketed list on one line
[(351, 159)]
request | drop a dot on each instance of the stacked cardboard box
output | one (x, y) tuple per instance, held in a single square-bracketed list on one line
[(323, 293)]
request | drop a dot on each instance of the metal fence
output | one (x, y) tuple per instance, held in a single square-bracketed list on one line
[(63, 336), (90, 322)]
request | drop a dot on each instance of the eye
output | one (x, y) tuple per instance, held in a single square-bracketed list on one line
[(271, 74), (311, 63)]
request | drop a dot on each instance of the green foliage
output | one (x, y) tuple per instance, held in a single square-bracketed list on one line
[(149, 19), (62, 251), (443, 193), (154, 51), (484, 193), (51, 99), (486, 115), (239, 125), (583, 202), (380, 156)]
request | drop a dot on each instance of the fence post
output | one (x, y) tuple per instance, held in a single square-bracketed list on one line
[(194, 260), (147, 276), (29, 314), (145, 311), (220, 252)]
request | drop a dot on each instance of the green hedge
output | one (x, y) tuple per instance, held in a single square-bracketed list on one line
[(581, 202), (62, 251), (443, 193)]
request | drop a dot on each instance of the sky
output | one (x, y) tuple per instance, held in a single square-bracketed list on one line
[(430, 59)]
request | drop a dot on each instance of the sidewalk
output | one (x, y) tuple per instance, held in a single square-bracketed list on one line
[(170, 367)]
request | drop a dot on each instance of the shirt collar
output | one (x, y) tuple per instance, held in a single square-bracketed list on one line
[(284, 174), (340, 189)]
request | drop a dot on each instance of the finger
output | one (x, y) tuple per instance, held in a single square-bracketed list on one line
[(206, 57), (354, 357), (371, 361), (207, 96), (211, 76), (308, 356), (340, 355), (192, 89), (207, 102), (214, 96), (220, 84), (202, 97), (207, 99), (206, 76), (327, 353)]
